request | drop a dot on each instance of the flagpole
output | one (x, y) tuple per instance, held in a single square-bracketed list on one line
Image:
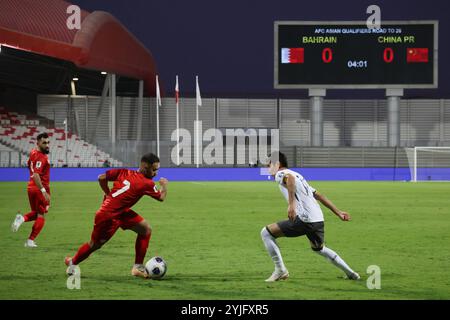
[(157, 118), (197, 124), (178, 124)]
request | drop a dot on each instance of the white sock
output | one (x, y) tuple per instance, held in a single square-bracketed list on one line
[(273, 250), (335, 259)]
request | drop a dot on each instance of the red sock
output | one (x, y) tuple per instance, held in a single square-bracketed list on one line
[(141, 248), (37, 227), (30, 216), (83, 252)]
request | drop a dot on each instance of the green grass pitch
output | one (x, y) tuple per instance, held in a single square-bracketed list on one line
[(209, 234)]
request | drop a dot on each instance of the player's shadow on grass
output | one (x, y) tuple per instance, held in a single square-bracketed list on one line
[(176, 279), (173, 278), (14, 277), (216, 277), (121, 279)]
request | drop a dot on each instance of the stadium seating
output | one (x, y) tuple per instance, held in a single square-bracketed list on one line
[(17, 134)]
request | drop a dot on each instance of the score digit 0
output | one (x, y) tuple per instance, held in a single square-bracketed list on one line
[(327, 55), (388, 55)]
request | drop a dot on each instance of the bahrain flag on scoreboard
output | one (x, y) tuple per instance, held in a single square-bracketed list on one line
[(292, 55), (416, 55)]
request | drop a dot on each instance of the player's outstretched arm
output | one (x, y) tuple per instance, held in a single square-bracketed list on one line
[(344, 216), (103, 182), (38, 182), (163, 183)]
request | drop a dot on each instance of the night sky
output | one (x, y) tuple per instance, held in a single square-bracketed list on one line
[(229, 44)]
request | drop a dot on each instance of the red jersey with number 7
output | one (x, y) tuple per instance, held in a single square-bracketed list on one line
[(38, 163), (129, 186)]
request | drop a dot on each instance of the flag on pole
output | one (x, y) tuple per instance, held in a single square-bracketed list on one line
[(177, 99), (197, 124), (158, 93), (197, 92), (177, 92)]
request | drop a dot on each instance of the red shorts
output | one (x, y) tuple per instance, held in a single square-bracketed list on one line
[(104, 229), (37, 201)]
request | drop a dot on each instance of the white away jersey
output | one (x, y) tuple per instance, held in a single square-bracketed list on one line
[(308, 210)]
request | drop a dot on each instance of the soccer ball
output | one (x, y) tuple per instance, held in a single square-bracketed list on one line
[(156, 268)]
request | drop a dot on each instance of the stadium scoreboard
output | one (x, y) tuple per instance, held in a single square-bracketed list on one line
[(312, 54)]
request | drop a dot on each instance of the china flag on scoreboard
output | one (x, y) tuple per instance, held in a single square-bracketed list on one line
[(292, 55), (416, 55)]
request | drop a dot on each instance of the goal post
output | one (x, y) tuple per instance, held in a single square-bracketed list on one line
[(429, 163)]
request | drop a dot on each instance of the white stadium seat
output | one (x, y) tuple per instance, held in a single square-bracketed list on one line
[(21, 137)]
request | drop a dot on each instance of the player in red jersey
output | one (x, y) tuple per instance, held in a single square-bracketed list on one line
[(129, 186), (38, 190)]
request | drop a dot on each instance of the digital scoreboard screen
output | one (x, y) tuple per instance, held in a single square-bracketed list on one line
[(399, 54)]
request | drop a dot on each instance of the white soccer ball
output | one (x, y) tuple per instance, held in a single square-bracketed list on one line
[(156, 267)]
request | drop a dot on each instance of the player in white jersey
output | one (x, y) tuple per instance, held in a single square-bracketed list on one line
[(305, 217)]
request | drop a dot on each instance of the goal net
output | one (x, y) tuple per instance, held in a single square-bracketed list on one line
[(429, 163)]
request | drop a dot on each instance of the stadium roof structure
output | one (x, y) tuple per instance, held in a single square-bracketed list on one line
[(37, 39)]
